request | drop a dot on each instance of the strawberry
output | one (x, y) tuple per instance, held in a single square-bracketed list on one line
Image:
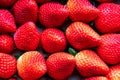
[(109, 49), (108, 20), (89, 64), (53, 40), (81, 10), (7, 22), (27, 37), (60, 65), (24, 11), (7, 65), (114, 73), (42, 1), (6, 43), (82, 36), (53, 14), (96, 78), (6, 3), (105, 1), (31, 65)]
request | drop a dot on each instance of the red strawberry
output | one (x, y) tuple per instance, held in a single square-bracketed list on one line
[(7, 65), (53, 14), (25, 10), (53, 40), (7, 23), (42, 1), (108, 20), (114, 73), (105, 1), (60, 65), (96, 78), (109, 49), (89, 64), (6, 3), (6, 44), (82, 36), (81, 10), (31, 65), (27, 37)]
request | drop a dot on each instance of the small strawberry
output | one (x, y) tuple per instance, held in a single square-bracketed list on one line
[(7, 65), (7, 22), (108, 20), (31, 65), (114, 73), (60, 65), (81, 10), (42, 1), (109, 49), (25, 10), (53, 14), (53, 40), (82, 36), (96, 78), (6, 3), (6, 44), (105, 1), (27, 37), (89, 64)]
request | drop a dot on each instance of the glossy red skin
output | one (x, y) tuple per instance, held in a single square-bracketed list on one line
[(82, 36), (42, 1), (27, 37), (8, 65), (81, 10), (52, 14), (60, 65), (31, 65), (6, 43), (105, 1), (24, 11), (89, 64), (7, 22), (53, 40), (108, 20), (109, 49), (96, 78)]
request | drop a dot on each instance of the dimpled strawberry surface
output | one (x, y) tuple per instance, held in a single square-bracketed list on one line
[(59, 39)]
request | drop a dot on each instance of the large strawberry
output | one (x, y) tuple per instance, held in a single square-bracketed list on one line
[(81, 10), (89, 64), (96, 78), (42, 1), (25, 10), (53, 14), (7, 65), (27, 37), (53, 40), (114, 73), (7, 22), (108, 20), (6, 44), (31, 65), (60, 65), (105, 1), (109, 49), (82, 36), (6, 3)]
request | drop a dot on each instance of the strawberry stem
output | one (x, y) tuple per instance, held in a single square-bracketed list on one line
[(72, 51)]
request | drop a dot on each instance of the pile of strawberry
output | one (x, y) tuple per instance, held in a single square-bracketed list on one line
[(46, 38)]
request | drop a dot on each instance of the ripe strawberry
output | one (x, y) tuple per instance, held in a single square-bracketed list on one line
[(81, 10), (105, 1), (25, 10), (7, 65), (53, 40), (109, 49), (31, 65), (7, 23), (108, 20), (96, 78), (6, 3), (82, 36), (114, 73), (53, 14), (6, 43), (60, 65), (89, 64), (42, 1), (27, 37)]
